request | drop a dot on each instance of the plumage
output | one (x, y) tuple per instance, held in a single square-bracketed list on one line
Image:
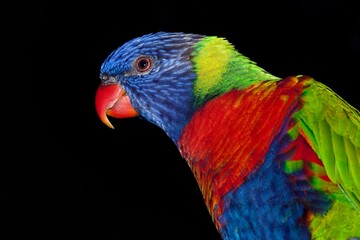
[(275, 158)]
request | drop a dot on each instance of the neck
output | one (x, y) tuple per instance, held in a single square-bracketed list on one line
[(221, 68), (217, 69)]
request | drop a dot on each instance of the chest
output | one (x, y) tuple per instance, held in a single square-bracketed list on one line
[(230, 145)]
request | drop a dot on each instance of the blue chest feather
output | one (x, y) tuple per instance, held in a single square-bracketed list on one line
[(264, 206), (271, 204)]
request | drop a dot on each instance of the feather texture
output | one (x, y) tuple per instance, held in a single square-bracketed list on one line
[(275, 158), (334, 135)]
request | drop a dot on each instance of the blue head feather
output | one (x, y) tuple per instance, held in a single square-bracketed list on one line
[(163, 94)]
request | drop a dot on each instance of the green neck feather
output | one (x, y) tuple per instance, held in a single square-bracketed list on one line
[(220, 68)]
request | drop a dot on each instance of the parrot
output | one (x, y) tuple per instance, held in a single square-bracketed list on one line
[(274, 157)]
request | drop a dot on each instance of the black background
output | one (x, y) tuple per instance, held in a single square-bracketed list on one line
[(75, 178)]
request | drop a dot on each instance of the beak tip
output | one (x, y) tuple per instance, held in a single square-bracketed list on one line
[(108, 123), (104, 119)]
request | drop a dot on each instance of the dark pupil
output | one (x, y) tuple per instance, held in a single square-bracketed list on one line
[(143, 63)]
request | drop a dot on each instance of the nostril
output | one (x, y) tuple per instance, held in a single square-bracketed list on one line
[(106, 79)]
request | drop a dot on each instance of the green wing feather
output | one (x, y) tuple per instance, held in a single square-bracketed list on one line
[(332, 128)]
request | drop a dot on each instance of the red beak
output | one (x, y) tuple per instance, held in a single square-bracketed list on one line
[(112, 100)]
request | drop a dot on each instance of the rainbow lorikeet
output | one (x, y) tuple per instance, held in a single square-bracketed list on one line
[(274, 158)]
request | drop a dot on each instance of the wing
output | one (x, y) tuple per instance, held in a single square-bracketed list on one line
[(331, 127)]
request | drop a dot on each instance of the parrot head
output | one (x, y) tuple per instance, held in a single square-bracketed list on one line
[(151, 76), (165, 77)]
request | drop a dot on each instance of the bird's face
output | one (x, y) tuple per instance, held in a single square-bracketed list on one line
[(151, 76)]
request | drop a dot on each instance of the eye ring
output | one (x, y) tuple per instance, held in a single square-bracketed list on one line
[(143, 64)]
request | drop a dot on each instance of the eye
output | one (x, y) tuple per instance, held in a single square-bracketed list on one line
[(143, 64)]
